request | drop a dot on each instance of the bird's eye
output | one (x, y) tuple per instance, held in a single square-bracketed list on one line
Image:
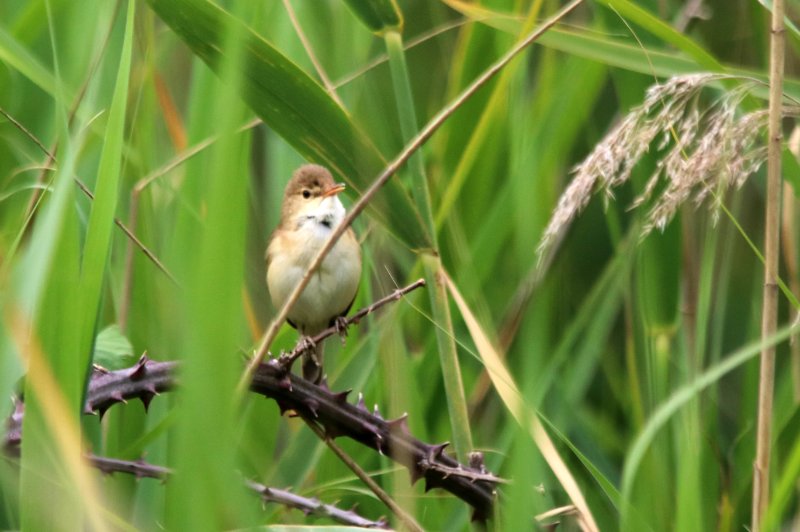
[(306, 194)]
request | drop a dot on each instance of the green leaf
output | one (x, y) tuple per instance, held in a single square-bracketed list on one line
[(681, 396), (104, 205), (296, 107), (379, 16), (618, 53), (15, 55), (112, 349), (662, 30)]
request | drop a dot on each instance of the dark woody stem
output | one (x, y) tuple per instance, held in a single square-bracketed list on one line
[(330, 410), (327, 412)]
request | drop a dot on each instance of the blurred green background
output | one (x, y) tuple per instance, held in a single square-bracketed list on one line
[(152, 105)]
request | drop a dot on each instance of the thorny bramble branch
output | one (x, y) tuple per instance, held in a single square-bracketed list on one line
[(330, 410)]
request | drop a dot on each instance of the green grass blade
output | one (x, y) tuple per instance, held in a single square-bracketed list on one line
[(621, 54), (378, 15), (445, 335), (662, 30), (101, 219), (16, 56), (681, 397), (785, 487)]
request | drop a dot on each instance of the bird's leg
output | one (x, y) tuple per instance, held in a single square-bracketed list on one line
[(312, 360)]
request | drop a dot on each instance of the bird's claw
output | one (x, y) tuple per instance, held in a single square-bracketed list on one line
[(340, 324), (308, 345)]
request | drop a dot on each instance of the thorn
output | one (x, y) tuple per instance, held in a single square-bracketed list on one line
[(341, 397), (146, 398), (97, 368), (101, 411), (140, 368), (323, 383), (117, 397), (285, 382), (312, 406), (376, 411), (360, 404), (399, 425), (437, 450), (415, 472), (379, 443), (88, 410)]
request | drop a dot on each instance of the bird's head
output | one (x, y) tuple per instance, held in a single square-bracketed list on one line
[(312, 193)]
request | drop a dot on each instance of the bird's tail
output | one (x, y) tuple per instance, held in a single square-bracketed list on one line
[(312, 363)]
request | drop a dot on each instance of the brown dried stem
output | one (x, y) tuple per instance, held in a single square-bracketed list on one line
[(769, 312)]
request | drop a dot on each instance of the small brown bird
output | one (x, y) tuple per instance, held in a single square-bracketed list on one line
[(311, 210)]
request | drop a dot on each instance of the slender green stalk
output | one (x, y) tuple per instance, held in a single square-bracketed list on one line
[(769, 313), (106, 195), (445, 336), (408, 126)]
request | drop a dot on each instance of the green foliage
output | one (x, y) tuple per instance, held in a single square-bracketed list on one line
[(638, 356), (378, 15)]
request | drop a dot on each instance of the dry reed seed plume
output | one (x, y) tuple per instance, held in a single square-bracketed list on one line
[(704, 152)]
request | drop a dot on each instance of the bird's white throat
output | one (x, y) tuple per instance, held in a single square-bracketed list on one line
[(321, 216)]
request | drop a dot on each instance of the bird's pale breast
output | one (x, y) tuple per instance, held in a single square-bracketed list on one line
[(330, 290)]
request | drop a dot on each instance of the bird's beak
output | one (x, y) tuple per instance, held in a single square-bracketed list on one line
[(335, 189)]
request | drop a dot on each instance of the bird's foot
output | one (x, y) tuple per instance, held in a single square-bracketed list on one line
[(340, 323), (308, 345)]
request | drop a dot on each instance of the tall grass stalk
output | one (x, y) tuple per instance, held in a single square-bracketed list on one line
[(769, 311), (431, 260)]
